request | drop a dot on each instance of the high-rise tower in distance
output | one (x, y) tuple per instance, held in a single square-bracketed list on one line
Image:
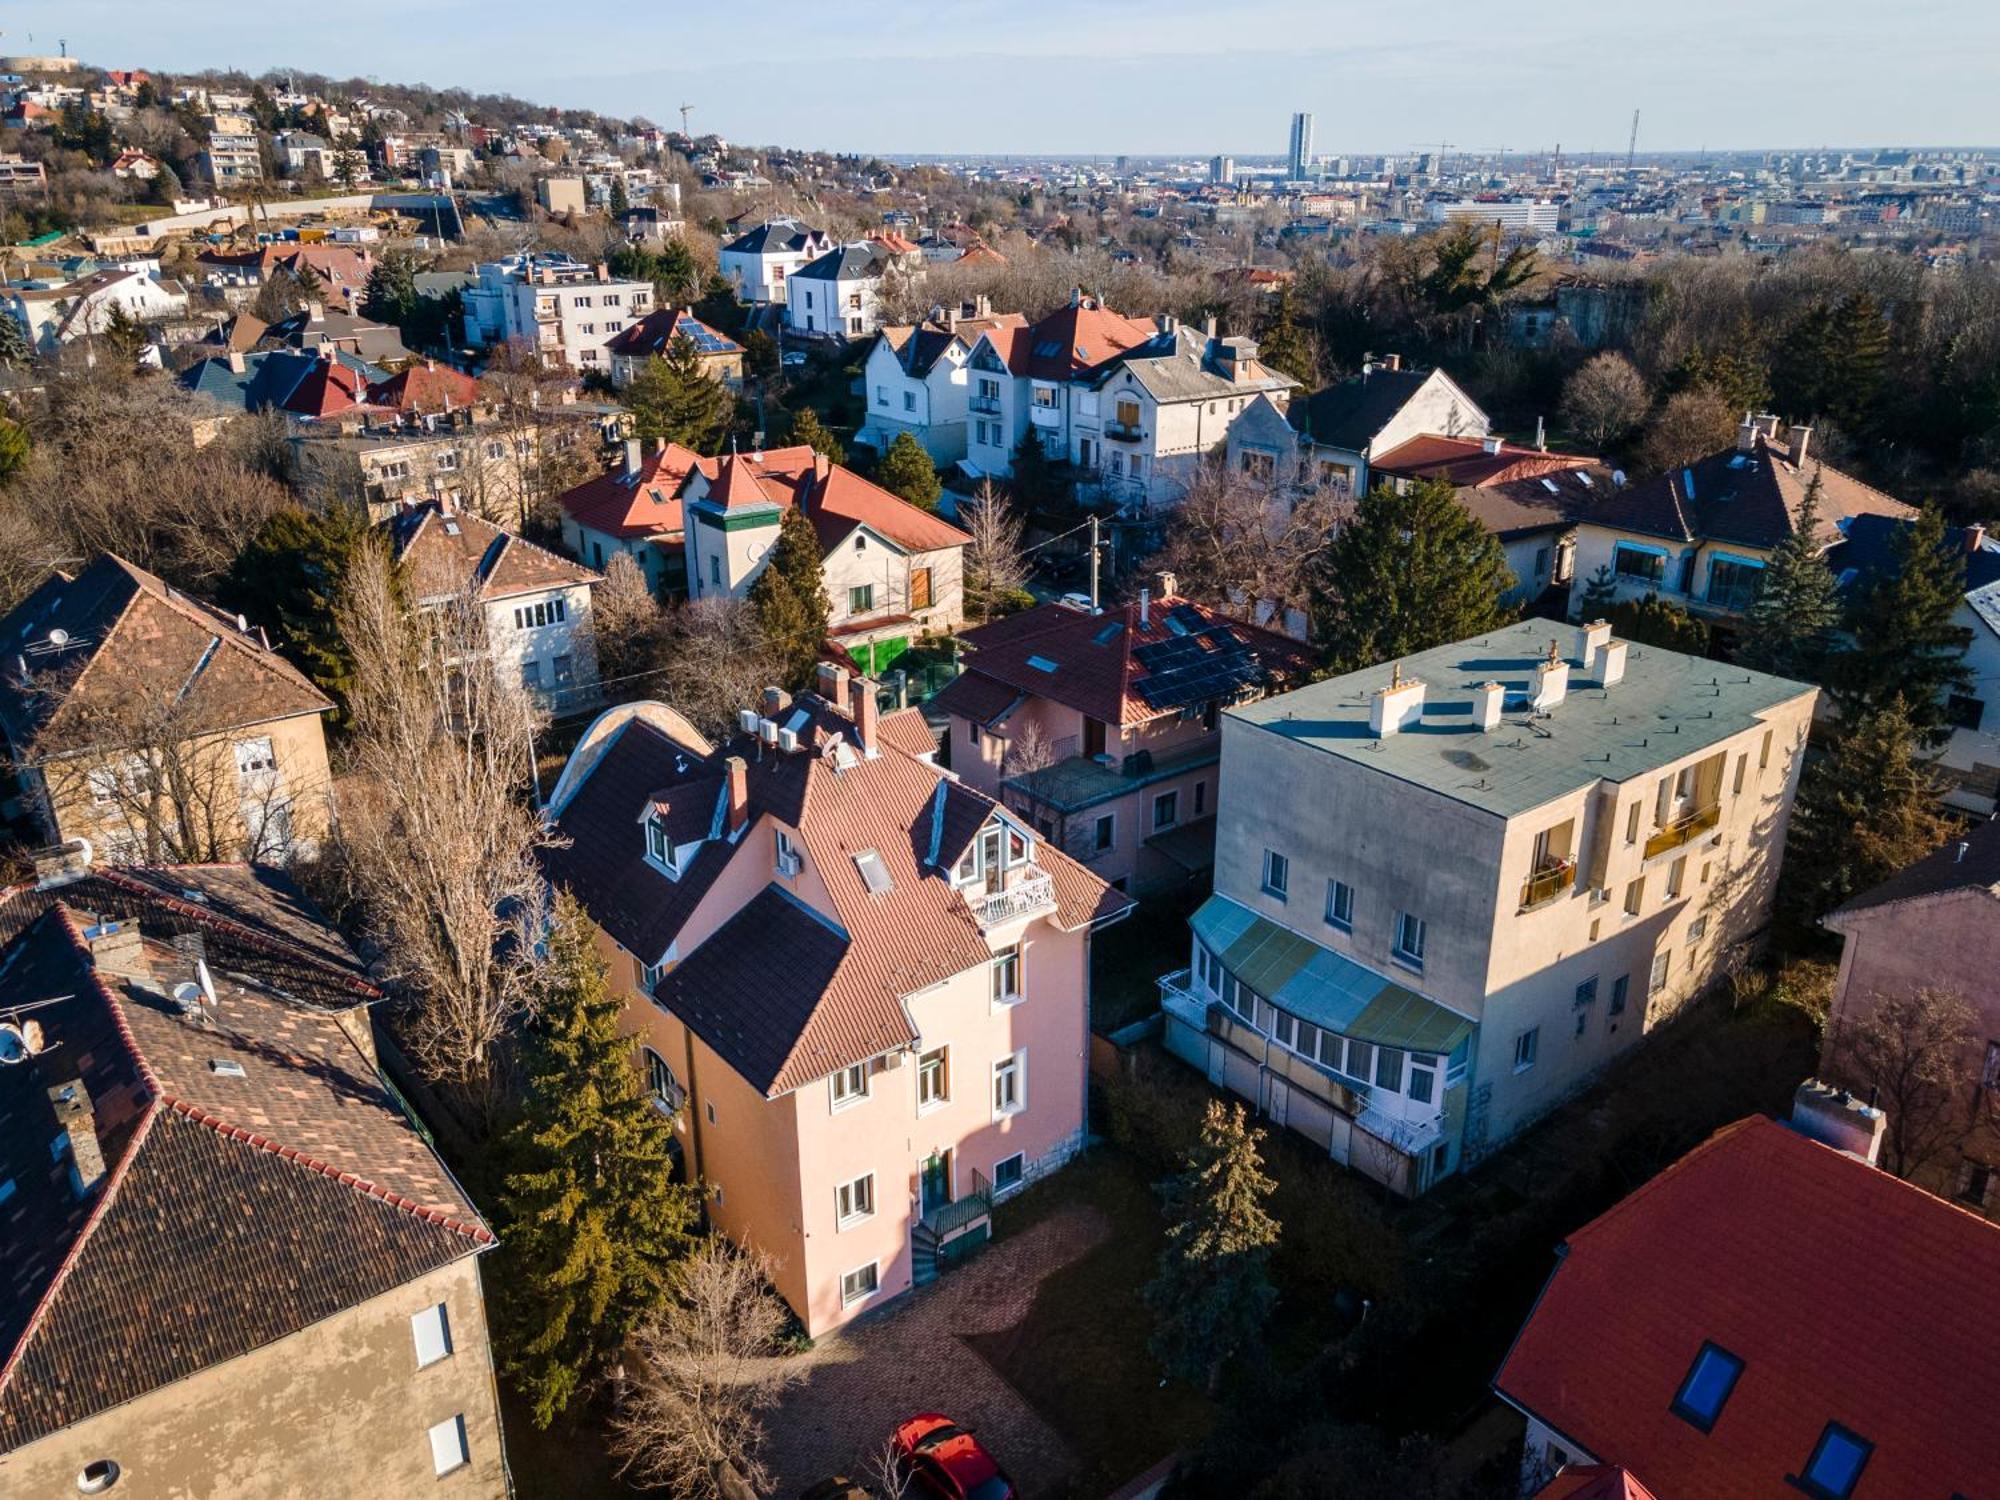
[(1302, 146)]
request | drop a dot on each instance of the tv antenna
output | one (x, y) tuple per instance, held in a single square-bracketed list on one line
[(686, 110)]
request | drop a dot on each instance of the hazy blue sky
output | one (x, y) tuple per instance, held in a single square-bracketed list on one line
[(1135, 75)]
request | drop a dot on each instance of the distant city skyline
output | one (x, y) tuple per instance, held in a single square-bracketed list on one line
[(1111, 77)]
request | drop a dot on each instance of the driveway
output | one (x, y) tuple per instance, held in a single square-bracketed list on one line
[(861, 1380)]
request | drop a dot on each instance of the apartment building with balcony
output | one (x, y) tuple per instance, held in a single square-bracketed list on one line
[(1451, 888), (1029, 378), (1101, 727), (916, 379), (860, 987), (1700, 536), (230, 155), (555, 305)]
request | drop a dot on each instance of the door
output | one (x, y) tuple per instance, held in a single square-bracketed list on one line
[(1093, 737), (989, 856), (934, 1178), (1281, 1100)]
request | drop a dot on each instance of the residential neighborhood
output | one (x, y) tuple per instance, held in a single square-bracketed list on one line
[(1124, 804)]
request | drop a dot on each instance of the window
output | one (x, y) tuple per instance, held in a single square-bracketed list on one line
[(1733, 584), (909, 401), (534, 616), (1166, 809), (920, 588), (1620, 988), (861, 599), (1340, 905), (659, 844), (855, 1201), (933, 1079), (788, 861), (448, 1450), (253, 756), (1423, 1077), (1010, 1085), (1975, 1181), (431, 1330), (1586, 993), (1632, 562), (1663, 961), (1742, 766), (1389, 1069), (1635, 895), (650, 976), (1128, 414), (1104, 833), (661, 1085), (1632, 824), (447, 460), (1008, 1172), (1836, 1463), (531, 674), (715, 570), (1360, 1060), (1409, 947), (1007, 975), (1277, 874), (1989, 1077), (1201, 787), (1525, 1046), (563, 667), (1764, 751), (1697, 930), (881, 395), (859, 1284), (1045, 397), (1963, 711), (1285, 1030), (850, 1085)]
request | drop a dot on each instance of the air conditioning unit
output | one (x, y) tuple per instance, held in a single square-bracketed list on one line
[(746, 720), (789, 863)]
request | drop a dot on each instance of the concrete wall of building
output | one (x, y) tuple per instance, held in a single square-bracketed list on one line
[(864, 559), (574, 637), (1596, 546), (333, 1411), (1438, 406)]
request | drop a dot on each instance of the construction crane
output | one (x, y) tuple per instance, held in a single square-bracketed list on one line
[(686, 110), (1632, 145)]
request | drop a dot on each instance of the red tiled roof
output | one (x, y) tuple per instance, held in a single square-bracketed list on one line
[(648, 505), (1593, 1482), (837, 501), (1467, 462), (652, 333), (1850, 1297), (1070, 340), (909, 731), (447, 553), (328, 387), (425, 387)]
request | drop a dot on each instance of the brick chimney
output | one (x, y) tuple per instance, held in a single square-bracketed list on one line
[(1975, 536), (70, 1103), (866, 712), (118, 949), (833, 683), (739, 793)]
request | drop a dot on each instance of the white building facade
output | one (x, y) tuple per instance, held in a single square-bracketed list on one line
[(556, 305)]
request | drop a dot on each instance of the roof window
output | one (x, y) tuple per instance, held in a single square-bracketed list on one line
[(1709, 1381), (874, 873), (225, 1067), (1836, 1463), (1042, 664)]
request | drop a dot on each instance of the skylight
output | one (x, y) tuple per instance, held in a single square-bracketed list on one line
[(1042, 664), (225, 1067), (1709, 1381), (1550, 486), (1109, 633), (874, 873), (1836, 1463)]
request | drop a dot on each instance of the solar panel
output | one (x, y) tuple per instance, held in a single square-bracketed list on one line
[(1209, 666)]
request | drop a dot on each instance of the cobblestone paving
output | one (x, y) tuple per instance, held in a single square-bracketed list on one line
[(860, 1381)]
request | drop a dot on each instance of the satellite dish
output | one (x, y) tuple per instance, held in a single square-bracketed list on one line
[(58, 637), (187, 995), (13, 1044)]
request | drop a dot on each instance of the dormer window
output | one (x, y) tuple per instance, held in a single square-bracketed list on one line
[(660, 848)]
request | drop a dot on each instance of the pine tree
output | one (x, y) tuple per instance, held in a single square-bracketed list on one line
[(1907, 644), (1865, 810), (1600, 592), (760, 355), (1212, 1293), (1652, 621), (289, 577), (789, 598), (1409, 571), (808, 429), (907, 471), (593, 1224), (674, 400), (1789, 628), (1283, 344), (15, 352), (621, 201), (1034, 482)]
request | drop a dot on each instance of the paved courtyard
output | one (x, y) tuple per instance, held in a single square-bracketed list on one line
[(861, 1381)]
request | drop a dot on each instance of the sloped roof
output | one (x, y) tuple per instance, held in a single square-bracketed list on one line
[(448, 552), (774, 236), (652, 333), (861, 261), (1867, 547), (909, 731), (1075, 337), (1509, 490), (1185, 366), (128, 638), (1348, 415), (642, 504), (1850, 1297), (425, 387), (919, 346), (236, 1207), (278, 377), (1970, 861), (837, 499), (1593, 1482)]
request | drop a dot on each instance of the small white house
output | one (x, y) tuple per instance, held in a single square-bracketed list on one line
[(757, 265), (917, 380), (53, 316), (1347, 425), (838, 296)]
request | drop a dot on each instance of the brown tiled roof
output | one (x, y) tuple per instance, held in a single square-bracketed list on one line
[(837, 501), (127, 636), (1750, 498), (644, 505), (1593, 1482), (1466, 462), (1075, 337), (448, 552), (236, 1207), (1970, 861), (909, 731), (975, 696), (425, 387)]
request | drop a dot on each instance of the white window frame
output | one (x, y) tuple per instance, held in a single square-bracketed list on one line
[(430, 1331), (943, 1096), (450, 1451), (854, 1201), (1527, 1046), (850, 1085), (1018, 1183), (1402, 951), (667, 1103), (1339, 895), (1007, 961), (1014, 1069), (1277, 876), (873, 1271)]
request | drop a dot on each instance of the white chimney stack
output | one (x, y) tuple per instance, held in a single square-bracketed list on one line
[(1611, 664), (1487, 701), (633, 457), (1551, 681), (1591, 639), (1398, 705), (1834, 1117)]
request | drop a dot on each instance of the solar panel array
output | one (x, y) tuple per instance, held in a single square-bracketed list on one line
[(705, 339), (1203, 663)]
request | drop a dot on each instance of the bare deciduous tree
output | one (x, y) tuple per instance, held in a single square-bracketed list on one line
[(994, 564), (438, 837), (1913, 1054), (1691, 424), (1606, 400), (713, 661), (628, 624), (691, 1418), (1239, 541)]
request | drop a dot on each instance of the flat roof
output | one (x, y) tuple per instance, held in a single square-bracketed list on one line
[(1668, 706)]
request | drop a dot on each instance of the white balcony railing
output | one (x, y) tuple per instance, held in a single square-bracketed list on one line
[(1030, 895)]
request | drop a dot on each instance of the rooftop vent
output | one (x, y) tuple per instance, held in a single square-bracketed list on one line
[(1488, 699), (1551, 681), (1399, 704)]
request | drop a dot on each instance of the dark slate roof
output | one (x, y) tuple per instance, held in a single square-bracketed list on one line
[(1349, 415), (752, 987), (777, 234), (235, 1208), (1868, 545), (846, 263), (1969, 862)]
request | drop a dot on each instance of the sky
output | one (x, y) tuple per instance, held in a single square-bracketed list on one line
[(1140, 77)]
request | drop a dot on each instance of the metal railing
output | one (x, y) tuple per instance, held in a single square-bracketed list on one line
[(1684, 830), (1123, 432), (985, 405), (1028, 895), (1548, 883), (967, 1208)]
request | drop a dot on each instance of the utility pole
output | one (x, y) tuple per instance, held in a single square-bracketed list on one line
[(1632, 145), (1093, 565)]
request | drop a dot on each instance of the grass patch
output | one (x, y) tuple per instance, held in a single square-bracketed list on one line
[(1079, 1357)]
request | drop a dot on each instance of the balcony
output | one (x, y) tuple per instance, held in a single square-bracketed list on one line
[(1684, 830), (1029, 895), (1124, 432), (1548, 883), (988, 406), (969, 1208)]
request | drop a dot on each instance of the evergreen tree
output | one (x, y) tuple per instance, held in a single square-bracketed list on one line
[(1790, 626), (1833, 359), (15, 352), (621, 202), (674, 400), (288, 578), (1283, 344), (1737, 375), (1409, 571), (1652, 621), (789, 599), (592, 1221), (391, 295), (760, 355), (1034, 483), (1600, 592), (1212, 1293), (719, 309), (907, 471), (13, 447), (1865, 810), (808, 429), (1906, 643)]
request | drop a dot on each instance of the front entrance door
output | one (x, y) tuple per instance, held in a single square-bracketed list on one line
[(935, 1182), (989, 854)]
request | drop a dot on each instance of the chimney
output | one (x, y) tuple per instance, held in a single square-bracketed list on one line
[(58, 864), (1399, 704), (1591, 639), (1551, 681), (1767, 423), (866, 712), (822, 467), (1800, 438), (1166, 323), (1834, 1117), (833, 683), (118, 948), (1746, 433), (1975, 536), (776, 701), (70, 1103), (1168, 586), (236, 361), (1487, 701), (739, 792), (634, 457), (1394, 362), (1208, 326), (1611, 664), (1145, 609)]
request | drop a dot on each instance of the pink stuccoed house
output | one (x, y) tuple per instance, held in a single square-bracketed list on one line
[(861, 988)]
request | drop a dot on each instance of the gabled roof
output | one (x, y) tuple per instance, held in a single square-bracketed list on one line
[(450, 551), (1849, 1296), (1593, 1482), (1182, 365), (277, 377), (775, 236), (837, 499), (646, 503), (1969, 862), (919, 346), (1751, 498), (238, 1204), (1867, 547), (1511, 491), (1350, 414), (115, 636), (1074, 338), (863, 260), (654, 332), (425, 387), (1104, 665)]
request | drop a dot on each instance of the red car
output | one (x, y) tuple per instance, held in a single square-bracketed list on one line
[(941, 1458)]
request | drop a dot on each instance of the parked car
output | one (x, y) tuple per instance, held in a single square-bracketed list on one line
[(940, 1458)]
